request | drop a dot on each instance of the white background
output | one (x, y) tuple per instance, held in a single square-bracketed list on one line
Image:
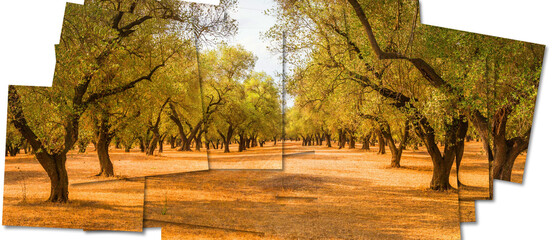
[(30, 28)]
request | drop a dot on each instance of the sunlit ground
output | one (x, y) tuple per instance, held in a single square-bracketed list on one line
[(107, 205), (348, 194)]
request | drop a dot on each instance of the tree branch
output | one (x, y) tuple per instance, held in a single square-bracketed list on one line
[(108, 92), (19, 120)]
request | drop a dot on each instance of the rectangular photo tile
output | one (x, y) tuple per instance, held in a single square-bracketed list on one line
[(242, 87), (328, 195), (116, 205), (86, 144), (207, 25), (343, 189)]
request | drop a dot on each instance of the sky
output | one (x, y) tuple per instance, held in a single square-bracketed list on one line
[(252, 24)]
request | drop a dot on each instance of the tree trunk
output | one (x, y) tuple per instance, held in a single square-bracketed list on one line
[(104, 138), (341, 138), (174, 117), (172, 142), (13, 151), (161, 143), (381, 142), (241, 144), (153, 144), (254, 141), (198, 141), (226, 139), (386, 134), (186, 145), (141, 144), (442, 163), (505, 151), (186, 139), (441, 174), (461, 138), (365, 141), (226, 145), (55, 167), (106, 167), (352, 140), (248, 142), (328, 139)]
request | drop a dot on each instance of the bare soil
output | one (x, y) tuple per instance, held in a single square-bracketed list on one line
[(467, 211), (322, 192), (338, 194), (267, 157), (96, 203)]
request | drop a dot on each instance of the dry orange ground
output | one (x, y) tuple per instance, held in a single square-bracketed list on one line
[(267, 157), (518, 169), (474, 175), (331, 194), (112, 205)]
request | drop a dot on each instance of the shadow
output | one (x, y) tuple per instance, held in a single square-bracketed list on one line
[(306, 206), (414, 168), (20, 176)]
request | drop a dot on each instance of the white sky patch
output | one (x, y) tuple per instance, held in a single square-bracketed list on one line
[(252, 23)]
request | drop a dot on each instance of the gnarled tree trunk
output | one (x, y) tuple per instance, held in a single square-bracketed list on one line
[(341, 138), (461, 138), (141, 144), (226, 139), (242, 143), (186, 139), (352, 140), (442, 162), (381, 142), (55, 166), (104, 137), (172, 142), (161, 143), (396, 152), (198, 141), (505, 151), (153, 144), (365, 141), (328, 139)]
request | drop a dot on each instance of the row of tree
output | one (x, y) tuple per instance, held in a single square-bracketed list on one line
[(369, 67), (131, 74)]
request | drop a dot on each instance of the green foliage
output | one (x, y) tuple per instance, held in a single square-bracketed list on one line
[(337, 74), (249, 101)]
